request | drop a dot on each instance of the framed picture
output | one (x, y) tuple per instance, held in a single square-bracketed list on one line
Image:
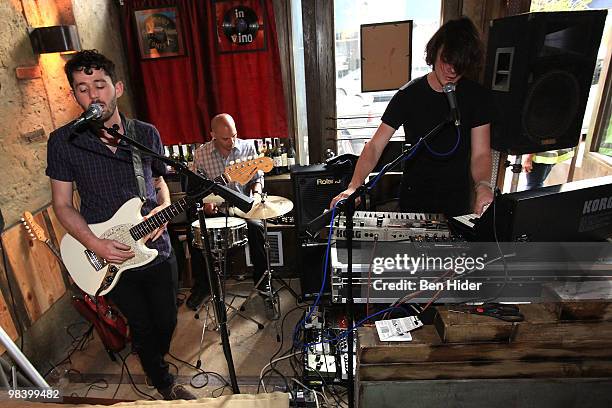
[(159, 32), (386, 55), (240, 25)]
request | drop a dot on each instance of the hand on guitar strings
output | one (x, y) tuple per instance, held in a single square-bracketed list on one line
[(113, 251)]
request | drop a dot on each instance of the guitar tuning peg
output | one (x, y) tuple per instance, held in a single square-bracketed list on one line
[(249, 157), (232, 163), (238, 161), (261, 155), (27, 227), (22, 219)]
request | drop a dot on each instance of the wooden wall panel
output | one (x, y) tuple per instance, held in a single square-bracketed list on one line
[(6, 321), (34, 268)]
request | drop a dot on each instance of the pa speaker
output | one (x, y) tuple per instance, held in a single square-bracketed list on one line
[(313, 189), (539, 68)]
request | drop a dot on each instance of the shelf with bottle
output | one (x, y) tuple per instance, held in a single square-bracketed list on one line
[(184, 153), (282, 154)]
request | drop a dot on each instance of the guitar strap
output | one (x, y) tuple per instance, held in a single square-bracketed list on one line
[(130, 131)]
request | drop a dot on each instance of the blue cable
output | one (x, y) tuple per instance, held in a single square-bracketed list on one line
[(302, 323), (450, 151), (384, 169), (346, 332)]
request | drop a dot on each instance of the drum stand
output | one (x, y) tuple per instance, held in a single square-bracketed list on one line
[(216, 295), (219, 262), (270, 293)]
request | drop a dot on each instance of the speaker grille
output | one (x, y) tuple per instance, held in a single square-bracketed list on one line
[(551, 107)]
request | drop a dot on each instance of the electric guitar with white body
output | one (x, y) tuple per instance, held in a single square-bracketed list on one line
[(96, 276)]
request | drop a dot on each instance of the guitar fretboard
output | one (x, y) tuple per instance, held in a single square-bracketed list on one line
[(155, 221)]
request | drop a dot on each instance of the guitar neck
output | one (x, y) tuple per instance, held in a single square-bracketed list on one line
[(149, 225), (53, 249)]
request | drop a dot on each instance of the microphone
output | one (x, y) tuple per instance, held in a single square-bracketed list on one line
[(449, 90), (94, 112)]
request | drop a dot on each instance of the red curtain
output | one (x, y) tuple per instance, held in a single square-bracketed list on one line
[(180, 94)]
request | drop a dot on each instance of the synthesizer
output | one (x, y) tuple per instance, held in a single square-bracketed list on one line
[(393, 226)]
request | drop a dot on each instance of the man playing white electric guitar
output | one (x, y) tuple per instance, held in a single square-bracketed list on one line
[(104, 173)]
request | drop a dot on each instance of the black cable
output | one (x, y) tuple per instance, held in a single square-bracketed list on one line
[(127, 369), (77, 343), (222, 388), (94, 386), (288, 287), (200, 372), (120, 378), (506, 276)]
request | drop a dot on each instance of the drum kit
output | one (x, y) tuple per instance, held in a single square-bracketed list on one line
[(225, 233)]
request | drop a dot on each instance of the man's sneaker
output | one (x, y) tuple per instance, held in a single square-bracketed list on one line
[(195, 299), (176, 392)]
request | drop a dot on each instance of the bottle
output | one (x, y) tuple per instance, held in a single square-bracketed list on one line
[(174, 152), (189, 156), (290, 155), (181, 153), (168, 151), (283, 152), (276, 156), (268, 152)]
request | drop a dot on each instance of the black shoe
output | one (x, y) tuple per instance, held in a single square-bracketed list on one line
[(195, 300), (176, 392)]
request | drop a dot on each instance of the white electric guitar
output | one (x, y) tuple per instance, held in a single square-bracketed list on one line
[(96, 276)]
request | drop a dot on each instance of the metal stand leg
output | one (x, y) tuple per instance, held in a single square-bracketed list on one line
[(219, 260), (516, 172), (270, 295)]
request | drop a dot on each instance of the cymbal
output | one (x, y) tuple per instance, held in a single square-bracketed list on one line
[(273, 206), (213, 199)]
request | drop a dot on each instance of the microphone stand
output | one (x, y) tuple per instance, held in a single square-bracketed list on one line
[(348, 206), (204, 186)]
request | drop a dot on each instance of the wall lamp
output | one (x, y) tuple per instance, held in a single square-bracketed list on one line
[(60, 38)]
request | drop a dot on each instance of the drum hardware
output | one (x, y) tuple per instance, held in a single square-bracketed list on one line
[(223, 233), (265, 207)]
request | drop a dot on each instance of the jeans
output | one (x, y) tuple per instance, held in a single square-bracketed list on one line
[(147, 298), (537, 175)]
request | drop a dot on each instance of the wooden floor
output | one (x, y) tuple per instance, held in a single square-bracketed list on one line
[(93, 374)]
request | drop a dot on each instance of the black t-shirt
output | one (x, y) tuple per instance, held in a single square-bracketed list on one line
[(432, 183)]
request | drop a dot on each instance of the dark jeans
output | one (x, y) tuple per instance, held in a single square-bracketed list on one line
[(255, 235), (147, 297), (537, 175)]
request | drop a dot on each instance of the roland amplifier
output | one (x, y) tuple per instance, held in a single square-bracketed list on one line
[(313, 188)]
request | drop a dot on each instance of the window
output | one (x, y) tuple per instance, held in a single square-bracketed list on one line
[(358, 113)]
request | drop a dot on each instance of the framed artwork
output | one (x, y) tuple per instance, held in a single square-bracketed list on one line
[(386, 55), (240, 25), (159, 32)]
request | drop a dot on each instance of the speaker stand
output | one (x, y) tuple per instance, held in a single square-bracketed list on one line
[(517, 168)]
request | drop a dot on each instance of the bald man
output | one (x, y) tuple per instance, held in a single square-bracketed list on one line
[(211, 159)]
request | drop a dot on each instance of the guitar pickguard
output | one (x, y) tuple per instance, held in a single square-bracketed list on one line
[(121, 233)]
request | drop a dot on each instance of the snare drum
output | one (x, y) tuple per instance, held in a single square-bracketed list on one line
[(236, 233)]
